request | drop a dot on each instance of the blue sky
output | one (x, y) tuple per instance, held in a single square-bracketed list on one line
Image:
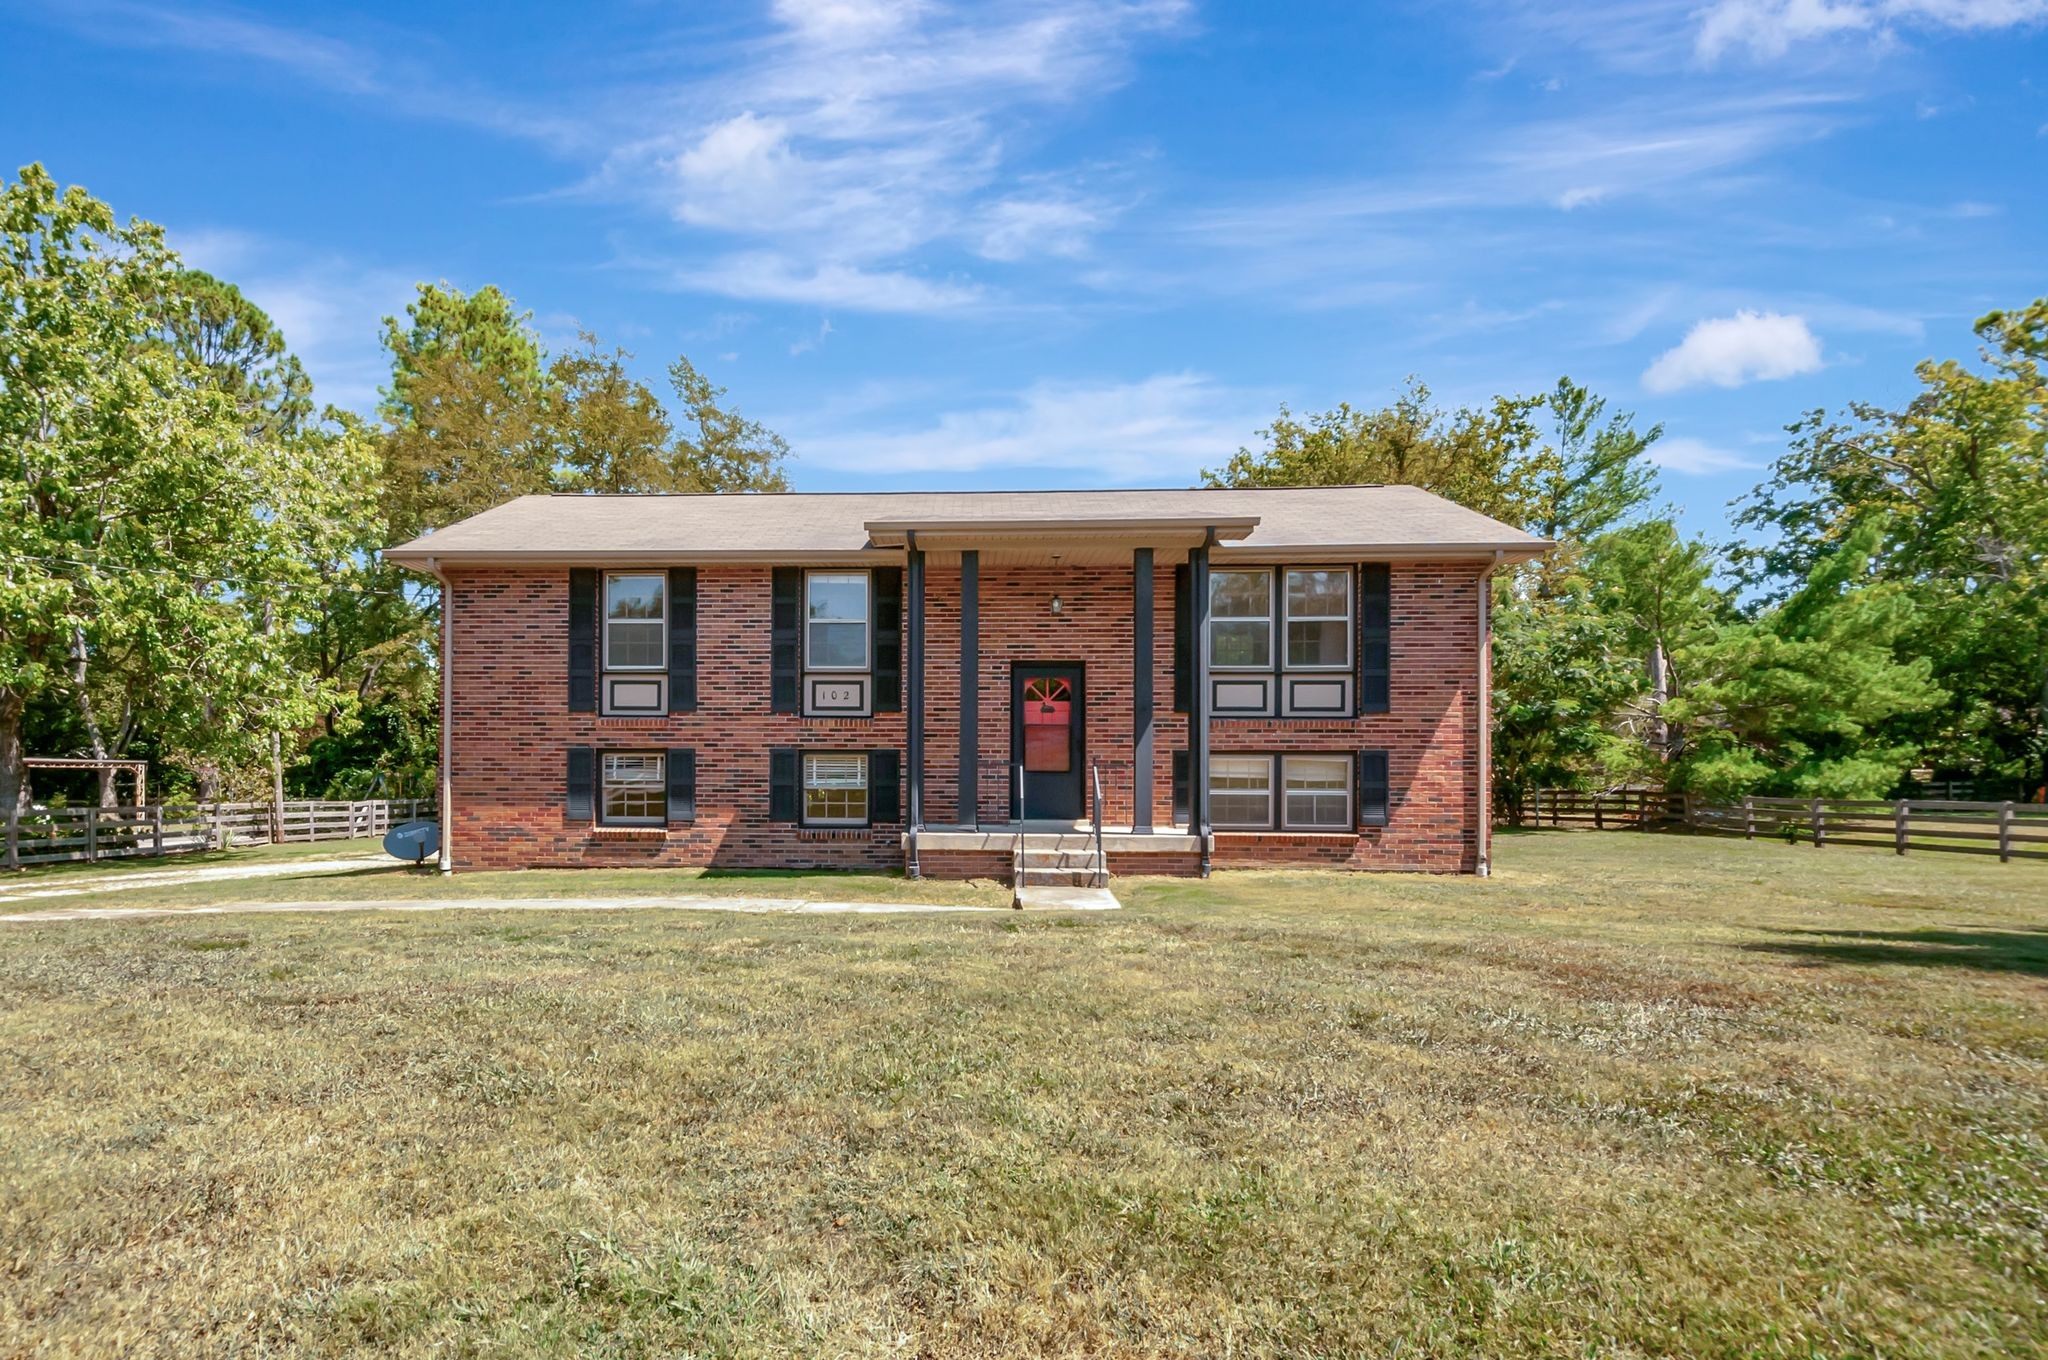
[(1065, 243)]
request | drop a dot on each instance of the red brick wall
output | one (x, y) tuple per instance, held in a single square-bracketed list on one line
[(513, 727), (511, 724)]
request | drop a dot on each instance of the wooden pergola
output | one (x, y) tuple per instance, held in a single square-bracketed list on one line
[(139, 769)]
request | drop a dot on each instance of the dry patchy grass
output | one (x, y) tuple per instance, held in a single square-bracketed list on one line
[(1633, 1096)]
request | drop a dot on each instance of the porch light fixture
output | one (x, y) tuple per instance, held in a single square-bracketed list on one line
[(1056, 606)]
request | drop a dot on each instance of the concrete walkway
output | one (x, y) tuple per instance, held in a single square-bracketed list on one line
[(79, 885), (759, 906)]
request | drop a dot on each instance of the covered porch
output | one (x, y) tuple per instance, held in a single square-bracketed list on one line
[(1036, 733)]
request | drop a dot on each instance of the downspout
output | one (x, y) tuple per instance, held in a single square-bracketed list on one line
[(1484, 809), (444, 795)]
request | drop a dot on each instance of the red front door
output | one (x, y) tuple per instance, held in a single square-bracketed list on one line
[(1046, 736)]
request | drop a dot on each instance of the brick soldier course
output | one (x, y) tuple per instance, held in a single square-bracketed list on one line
[(551, 671)]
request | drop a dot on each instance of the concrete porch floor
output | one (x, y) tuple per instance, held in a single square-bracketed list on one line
[(1048, 835)]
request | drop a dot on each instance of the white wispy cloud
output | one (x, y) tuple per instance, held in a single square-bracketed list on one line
[(771, 276), (1770, 28), (1484, 193), (861, 132), (1695, 457), (1645, 36), (1163, 428), (317, 59), (1732, 350)]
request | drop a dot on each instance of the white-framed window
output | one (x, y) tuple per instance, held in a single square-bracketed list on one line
[(1241, 619), (1241, 791), (836, 614), (1317, 603), (635, 787), (1317, 793), (835, 790), (635, 621)]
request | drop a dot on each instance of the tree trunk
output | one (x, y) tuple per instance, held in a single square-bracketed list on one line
[(91, 720), (13, 774), (1660, 691), (276, 745), (276, 788)]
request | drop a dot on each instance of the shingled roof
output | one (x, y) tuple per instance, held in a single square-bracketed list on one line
[(1338, 521)]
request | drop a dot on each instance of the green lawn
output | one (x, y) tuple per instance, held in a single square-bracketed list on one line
[(1633, 1096)]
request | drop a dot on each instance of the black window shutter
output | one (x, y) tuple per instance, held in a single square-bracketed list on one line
[(1373, 792), (582, 784), (785, 627), (885, 787), (1181, 802), (682, 784), (682, 640), (582, 639), (784, 770), (1183, 640), (887, 604), (1375, 629)]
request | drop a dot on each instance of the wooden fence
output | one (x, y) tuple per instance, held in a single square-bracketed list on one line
[(2008, 830), (96, 833)]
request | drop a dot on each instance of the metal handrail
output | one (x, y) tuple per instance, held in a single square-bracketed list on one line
[(1101, 864), (1017, 847)]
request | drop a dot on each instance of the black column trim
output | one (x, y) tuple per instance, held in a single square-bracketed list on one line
[(969, 810), (1141, 691), (914, 726), (1183, 639)]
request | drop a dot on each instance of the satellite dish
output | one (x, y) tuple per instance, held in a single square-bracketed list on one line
[(414, 841)]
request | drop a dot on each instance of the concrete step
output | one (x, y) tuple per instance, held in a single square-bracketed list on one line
[(1073, 877), (1061, 858), (1068, 899)]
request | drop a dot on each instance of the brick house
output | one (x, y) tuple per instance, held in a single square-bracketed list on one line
[(891, 681)]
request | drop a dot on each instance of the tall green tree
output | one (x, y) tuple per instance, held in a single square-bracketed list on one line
[(1797, 700), (1561, 670), (1560, 464), (150, 533), (1958, 481), (609, 431), (718, 449), (1480, 457), (210, 322), (465, 413)]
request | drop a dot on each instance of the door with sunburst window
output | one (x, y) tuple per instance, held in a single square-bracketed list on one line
[(1047, 737)]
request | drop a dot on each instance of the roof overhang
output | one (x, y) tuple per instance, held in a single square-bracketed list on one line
[(1138, 529), (1389, 552)]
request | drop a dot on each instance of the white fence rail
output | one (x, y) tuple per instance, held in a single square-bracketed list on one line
[(2008, 830), (95, 833)]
